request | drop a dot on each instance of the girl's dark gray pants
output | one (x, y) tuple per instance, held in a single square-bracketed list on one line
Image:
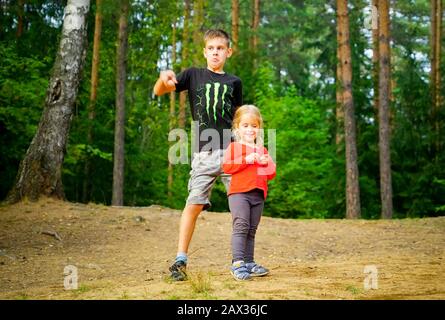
[(246, 209)]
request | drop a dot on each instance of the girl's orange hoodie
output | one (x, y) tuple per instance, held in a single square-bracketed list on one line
[(246, 177)]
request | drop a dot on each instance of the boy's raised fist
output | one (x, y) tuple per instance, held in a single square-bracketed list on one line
[(169, 78)]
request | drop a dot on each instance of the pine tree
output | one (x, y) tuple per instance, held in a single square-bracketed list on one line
[(352, 175)]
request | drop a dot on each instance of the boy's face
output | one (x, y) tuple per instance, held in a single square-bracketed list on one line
[(216, 52)]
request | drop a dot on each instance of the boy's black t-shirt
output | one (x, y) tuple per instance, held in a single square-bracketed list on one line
[(213, 99)]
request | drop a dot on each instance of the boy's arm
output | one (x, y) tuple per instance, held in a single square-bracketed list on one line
[(166, 83)]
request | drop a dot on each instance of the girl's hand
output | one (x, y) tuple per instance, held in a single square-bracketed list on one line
[(264, 159), (252, 158)]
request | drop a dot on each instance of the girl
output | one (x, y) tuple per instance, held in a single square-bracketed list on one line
[(248, 161)]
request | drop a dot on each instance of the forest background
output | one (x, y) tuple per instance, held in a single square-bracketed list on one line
[(286, 53)]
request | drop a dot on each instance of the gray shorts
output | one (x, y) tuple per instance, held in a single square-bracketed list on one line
[(206, 167)]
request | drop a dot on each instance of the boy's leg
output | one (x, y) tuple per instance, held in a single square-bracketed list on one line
[(187, 226), (202, 177)]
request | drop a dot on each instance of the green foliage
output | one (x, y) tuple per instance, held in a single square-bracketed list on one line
[(23, 82), (304, 155), (293, 84)]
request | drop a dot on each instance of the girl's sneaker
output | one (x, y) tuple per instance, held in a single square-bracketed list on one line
[(256, 270), (239, 271)]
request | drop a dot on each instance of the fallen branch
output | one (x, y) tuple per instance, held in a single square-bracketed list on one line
[(52, 233)]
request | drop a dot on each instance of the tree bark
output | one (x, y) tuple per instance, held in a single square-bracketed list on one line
[(254, 27), (235, 25), (93, 97), (198, 21), (20, 18), (433, 51), (384, 111), (375, 64), (172, 115), (339, 111), (119, 131), (435, 79), (352, 174), (40, 172), (184, 56)]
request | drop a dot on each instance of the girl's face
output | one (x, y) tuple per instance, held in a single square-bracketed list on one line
[(248, 128)]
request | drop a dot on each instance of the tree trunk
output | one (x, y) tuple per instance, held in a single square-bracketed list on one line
[(184, 54), (352, 174), (198, 21), (436, 40), (235, 25), (172, 115), (438, 98), (119, 131), (375, 64), (254, 27), (339, 111), (40, 172), (93, 96), (384, 111), (20, 18), (433, 51)]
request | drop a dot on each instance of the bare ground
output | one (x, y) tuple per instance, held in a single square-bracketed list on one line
[(124, 253)]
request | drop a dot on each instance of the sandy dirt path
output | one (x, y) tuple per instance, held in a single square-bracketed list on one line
[(124, 253)]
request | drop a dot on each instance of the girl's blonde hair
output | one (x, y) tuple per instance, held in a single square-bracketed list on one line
[(251, 110)]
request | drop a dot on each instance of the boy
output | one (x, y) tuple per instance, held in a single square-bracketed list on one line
[(214, 97)]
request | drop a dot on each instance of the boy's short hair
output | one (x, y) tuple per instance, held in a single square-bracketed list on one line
[(216, 33)]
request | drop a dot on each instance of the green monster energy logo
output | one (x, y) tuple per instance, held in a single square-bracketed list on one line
[(215, 97)]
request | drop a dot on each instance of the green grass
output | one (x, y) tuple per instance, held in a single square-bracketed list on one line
[(21, 296), (354, 290), (200, 283), (81, 289)]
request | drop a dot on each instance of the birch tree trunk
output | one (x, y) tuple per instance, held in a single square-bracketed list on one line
[(119, 129), (384, 111), (93, 96), (352, 174), (40, 172)]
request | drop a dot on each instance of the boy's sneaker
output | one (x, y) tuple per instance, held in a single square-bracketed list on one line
[(256, 270), (178, 271), (239, 271)]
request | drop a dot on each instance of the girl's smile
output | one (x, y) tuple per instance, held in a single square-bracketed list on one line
[(248, 128)]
